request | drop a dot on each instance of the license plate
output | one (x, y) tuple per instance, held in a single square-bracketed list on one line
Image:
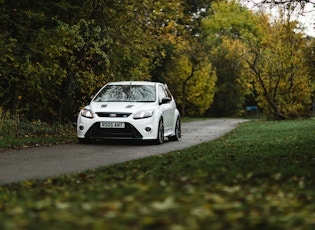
[(113, 125)]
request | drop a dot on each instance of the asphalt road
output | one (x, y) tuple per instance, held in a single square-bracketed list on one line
[(43, 162)]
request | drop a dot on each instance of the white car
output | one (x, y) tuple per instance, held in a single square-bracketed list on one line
[(137, 110)]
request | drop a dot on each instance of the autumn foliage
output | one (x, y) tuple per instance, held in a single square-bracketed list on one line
[(217, 57)]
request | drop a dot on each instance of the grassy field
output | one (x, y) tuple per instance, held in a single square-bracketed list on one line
[(259, 176)]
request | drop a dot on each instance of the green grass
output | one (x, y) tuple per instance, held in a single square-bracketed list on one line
[(259, 176)]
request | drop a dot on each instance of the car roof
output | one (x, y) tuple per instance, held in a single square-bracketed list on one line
[(133, 83)]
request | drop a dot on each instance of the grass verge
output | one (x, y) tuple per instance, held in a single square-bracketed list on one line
[(259, 176), (30, 134)]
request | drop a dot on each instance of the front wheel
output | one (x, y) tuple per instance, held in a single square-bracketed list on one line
[(160, 134), (177, 131)]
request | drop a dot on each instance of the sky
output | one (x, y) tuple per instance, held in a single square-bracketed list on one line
[(309, 20), (306, 17)]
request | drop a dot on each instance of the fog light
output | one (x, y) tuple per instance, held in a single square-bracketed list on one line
[(148, 129), (81, 127)]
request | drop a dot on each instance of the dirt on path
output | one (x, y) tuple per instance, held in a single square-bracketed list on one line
[(43, 162)]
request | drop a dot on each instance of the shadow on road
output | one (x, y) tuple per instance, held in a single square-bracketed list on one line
[(122, 142)]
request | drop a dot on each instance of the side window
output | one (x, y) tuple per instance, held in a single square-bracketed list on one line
[(168, 93), (162, 93)]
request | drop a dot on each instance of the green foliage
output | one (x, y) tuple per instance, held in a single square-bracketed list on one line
[(261, 175), (233, 84), (74, 63), (8, 68), (55, 54), (228, 18), (191, 79), (223, 28), (65, 51), (17, 132)]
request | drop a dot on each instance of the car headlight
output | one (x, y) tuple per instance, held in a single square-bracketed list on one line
[(86, 113), (143, 114)]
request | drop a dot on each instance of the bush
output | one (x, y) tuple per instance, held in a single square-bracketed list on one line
[(14, 127)]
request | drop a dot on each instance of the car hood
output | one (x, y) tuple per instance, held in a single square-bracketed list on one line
[(129, 107)]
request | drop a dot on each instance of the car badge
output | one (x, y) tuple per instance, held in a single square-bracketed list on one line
[(103, 106), (112, 115)]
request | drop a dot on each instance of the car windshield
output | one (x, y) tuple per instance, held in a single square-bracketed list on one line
[(127, 93)]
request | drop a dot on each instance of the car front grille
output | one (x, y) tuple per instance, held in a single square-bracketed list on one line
[(129, 132), (113, 114)]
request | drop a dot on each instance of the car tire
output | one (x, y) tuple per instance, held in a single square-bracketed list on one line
[(160, 135), (177, 131)]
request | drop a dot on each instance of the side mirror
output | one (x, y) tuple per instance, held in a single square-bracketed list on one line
[(166, 100)]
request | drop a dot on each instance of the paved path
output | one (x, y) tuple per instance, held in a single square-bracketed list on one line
[(42, 162)]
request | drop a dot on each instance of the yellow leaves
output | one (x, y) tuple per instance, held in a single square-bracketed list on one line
[(233, 189), (62, 205), (18, 210), (202, 211), (27, 183), (112, 208), (167, 203), (188, 67), (42, 204), (170, 28), (282, 77)]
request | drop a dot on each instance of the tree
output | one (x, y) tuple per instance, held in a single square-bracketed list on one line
[(310, 54), (226, 23), (233, 84), (9, 69), (191, 77), (64, 51), (285, 2), (300, 10), (183, 63), (71, 62), (278, 65)]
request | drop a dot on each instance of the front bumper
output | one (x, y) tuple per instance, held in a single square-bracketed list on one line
[(129, 132), (139, 129)]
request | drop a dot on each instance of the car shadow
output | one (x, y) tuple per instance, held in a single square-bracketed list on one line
[(123, 142)]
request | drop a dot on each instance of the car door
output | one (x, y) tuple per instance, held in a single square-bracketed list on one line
[(168, 109)]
